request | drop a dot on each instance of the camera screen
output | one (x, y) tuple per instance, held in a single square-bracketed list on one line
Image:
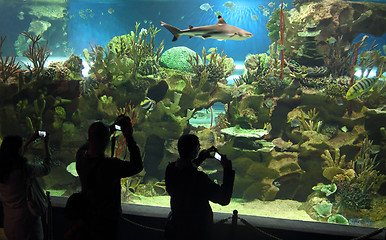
[(117, 127), (42, 133), (217, 156)]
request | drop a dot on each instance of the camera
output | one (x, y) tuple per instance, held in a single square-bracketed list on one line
[(217, 156), (42, 133), (119, 123)]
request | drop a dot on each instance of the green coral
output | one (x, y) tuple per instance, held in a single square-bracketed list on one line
[(340, 219), (177, 58), (327, 189), (323, 209)]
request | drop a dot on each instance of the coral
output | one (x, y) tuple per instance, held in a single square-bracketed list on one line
[(216, 70), (247, 133), (324, 209), (36, 54), (327, 189), (8, 68), (257, 65), (340, 219), (353, 198), (38, 27), (176, 58), (308, 122)]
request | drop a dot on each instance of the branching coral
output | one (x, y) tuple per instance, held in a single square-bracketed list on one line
[(37, 54), (215, 68), (8, 68), (309, 121)]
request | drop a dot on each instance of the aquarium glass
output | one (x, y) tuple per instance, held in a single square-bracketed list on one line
[(292, 92)]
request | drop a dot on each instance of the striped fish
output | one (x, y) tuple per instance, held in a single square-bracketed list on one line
[(360, 88)]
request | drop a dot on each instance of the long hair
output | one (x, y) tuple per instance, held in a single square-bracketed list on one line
[(10, 157)]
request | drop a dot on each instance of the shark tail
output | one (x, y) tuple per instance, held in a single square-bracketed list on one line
[(175, 31)]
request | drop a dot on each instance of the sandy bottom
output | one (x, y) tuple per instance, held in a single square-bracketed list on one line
[(286, 209)]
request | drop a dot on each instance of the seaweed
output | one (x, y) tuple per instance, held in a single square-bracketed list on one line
[(309, 122)]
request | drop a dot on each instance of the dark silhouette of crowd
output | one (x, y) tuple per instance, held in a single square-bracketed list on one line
[(98, 204)]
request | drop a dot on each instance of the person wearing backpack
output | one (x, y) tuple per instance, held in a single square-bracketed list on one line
[(15, 171)]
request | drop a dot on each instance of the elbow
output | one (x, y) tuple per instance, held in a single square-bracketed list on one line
[(139, 168)]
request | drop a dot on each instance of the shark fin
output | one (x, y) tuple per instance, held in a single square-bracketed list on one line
[(205, 36), (175, 31), (221, 20), (190, 26)]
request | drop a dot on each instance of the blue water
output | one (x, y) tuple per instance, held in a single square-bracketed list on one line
[(103, 27), (98, 26)]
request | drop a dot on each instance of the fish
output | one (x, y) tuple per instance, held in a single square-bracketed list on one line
[(286, 179), (255, 17), (230, 5), (266, 12), (147, 104), (220, 31), (111, 11), (295, 123), (361, 87), (212, 52), (143, 31), (261, 6), (158, 92), (20, 15), (271, 4), (331, 40), (206, 7)]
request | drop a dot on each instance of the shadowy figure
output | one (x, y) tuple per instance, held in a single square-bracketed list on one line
[(100, 177), (19, 223), (191, 190)]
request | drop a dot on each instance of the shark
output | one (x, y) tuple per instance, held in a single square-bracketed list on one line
[(220, 31)]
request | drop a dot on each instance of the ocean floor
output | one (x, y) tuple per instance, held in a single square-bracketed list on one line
[(286, 209)]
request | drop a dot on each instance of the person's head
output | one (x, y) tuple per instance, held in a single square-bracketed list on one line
[(10, 155), (99, 135), (188, 146)]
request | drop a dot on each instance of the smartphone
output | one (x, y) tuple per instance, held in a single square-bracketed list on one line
[(42, 133), (117, 127), (217, 156)]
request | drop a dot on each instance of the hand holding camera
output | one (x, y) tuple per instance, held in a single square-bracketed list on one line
[(122, 123)]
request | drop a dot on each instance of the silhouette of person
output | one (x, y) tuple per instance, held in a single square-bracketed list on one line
[(191, 190), (100, 177), (19, 223)]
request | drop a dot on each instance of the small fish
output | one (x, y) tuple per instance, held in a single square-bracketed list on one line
[(20, 15), (361, 87), (295, 123), (286, 179), (111, 11), (230, 5), (271, 4), (206, 7), (147, 104), (363, 222), (220, 31), (212, 52), (182, 17), (268, 127), (266, 12), (88, 10), (261, 6), (145, 21), (255, 17), (331, 40), (344, 129)]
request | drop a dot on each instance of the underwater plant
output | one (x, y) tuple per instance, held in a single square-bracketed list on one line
[(8, 68), (37, 54)]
